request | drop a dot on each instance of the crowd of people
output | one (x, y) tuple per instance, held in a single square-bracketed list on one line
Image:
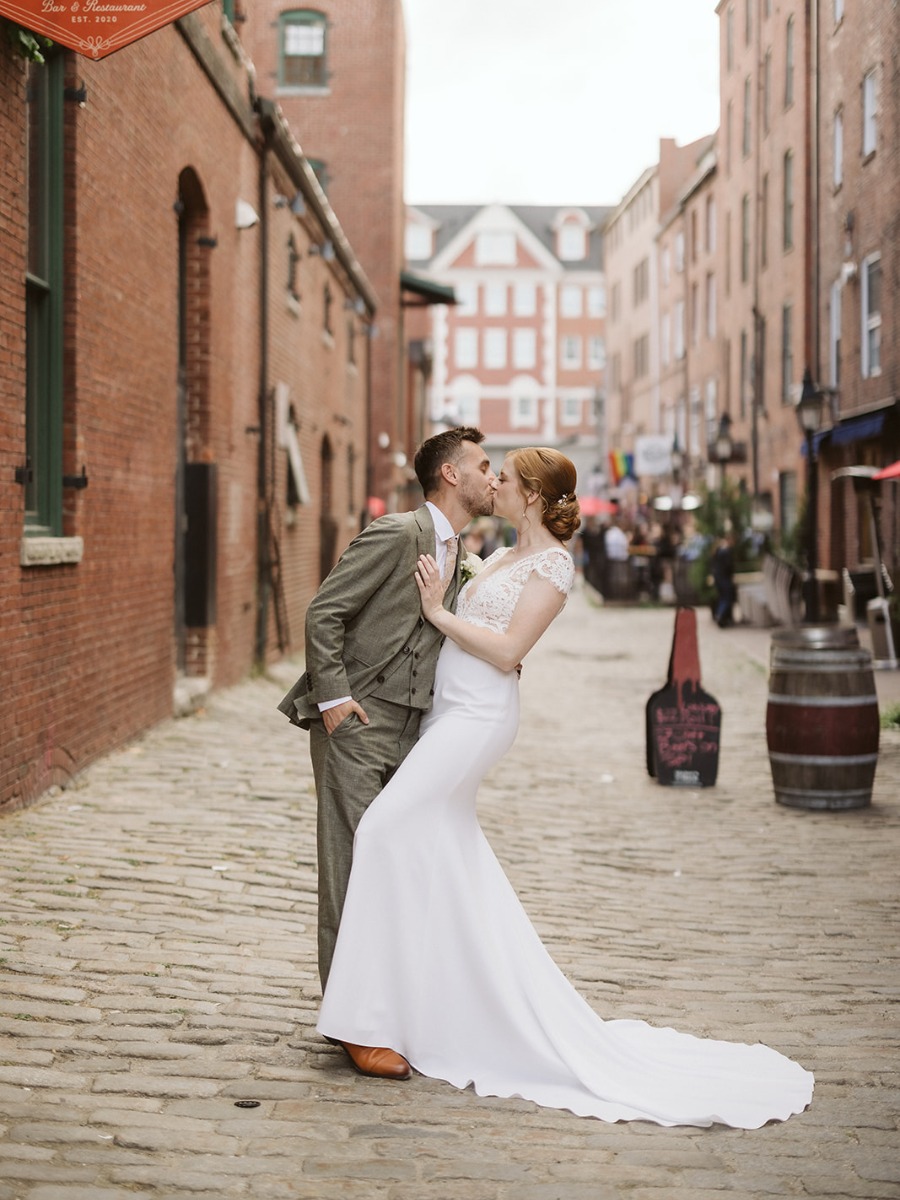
[(623, 558)]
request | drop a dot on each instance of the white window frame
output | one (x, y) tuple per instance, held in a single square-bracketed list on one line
[(524, 299), (710, 305), (838, 11), (678, 330), (524, 348), (570, 352), (665, 338), (495, 349), (870, 356), (596, 300), (679, 252), (419, 242), (466, 299), (495, 248), (572, 243), (523, 409), (495, 299), (571, 410), (571, 300), (465, 348), (596, 352), (870, 112)]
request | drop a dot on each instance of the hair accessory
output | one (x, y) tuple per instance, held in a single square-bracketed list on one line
[(565, 498)]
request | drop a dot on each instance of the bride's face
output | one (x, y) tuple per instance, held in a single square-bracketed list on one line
[(510, 499)]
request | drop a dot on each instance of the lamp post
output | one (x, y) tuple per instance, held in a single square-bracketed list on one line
[(809, 416), (724, 444)]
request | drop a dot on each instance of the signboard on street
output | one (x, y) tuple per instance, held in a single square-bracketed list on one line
[(96, 28), (652, 455)]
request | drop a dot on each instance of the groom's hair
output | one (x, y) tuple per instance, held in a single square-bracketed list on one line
[(442, 448)]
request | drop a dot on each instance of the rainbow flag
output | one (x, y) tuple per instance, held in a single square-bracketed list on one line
[(621, 465)]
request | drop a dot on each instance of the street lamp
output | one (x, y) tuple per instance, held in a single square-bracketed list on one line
[(810, 408), (724, 444)]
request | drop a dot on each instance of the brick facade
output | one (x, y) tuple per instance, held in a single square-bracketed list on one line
[(165, 146)]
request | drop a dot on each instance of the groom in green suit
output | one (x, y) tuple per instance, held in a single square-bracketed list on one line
[(370, 663)]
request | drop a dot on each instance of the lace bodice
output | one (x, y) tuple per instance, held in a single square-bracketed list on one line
[(490, 598)]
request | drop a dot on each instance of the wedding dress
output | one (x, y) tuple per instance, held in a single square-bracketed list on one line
[(437, 959)]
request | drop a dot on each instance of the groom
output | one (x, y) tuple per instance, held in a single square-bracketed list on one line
[(370, 663)]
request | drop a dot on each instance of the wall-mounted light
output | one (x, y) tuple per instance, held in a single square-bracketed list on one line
[(325, 251), (295, 203), (245, 215)]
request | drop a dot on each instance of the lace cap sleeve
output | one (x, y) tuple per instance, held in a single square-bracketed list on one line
[(558, 568)]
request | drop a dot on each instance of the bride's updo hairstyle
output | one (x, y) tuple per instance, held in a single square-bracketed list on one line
[(553, 476)]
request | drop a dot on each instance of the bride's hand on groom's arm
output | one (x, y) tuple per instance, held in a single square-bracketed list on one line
[(431, 587)]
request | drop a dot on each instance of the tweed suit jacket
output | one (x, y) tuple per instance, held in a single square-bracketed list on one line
[(362, 619)]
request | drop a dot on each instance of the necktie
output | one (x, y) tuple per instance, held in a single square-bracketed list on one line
[(450, 563)]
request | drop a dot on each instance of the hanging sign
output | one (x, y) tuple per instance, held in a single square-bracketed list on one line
[(96, 28)]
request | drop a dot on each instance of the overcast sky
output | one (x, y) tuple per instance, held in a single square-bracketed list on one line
[(552, 101)]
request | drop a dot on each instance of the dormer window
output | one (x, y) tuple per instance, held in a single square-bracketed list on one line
[(419, 242), (572, 243)]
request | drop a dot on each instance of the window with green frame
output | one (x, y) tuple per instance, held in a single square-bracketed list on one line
[(43, 298), (302, 49)]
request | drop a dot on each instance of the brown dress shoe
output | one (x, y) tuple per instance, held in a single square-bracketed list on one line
[(377, 1062)]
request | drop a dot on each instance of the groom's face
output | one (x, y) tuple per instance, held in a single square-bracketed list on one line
[(477, 482)]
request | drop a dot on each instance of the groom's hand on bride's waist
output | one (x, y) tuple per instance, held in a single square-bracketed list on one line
[(332, 717)]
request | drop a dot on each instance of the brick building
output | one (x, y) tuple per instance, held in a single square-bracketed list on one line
[(522, 353), (182, 389), (337, 71)]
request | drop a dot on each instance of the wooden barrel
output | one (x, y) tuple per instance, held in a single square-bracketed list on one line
[(822, 718)]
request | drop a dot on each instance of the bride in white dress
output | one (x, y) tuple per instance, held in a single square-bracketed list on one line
[(435, 956)]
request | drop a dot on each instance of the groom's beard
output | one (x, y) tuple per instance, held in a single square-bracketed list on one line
[(477, 504)]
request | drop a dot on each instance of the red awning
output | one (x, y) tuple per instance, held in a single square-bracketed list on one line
[(891, 472)]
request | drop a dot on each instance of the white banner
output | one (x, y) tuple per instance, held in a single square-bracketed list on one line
[(652, 455)]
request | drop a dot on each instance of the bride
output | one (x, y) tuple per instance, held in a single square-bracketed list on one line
[(435, 956)]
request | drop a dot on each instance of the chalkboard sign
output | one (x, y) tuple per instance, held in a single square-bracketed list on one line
[(683, 721)]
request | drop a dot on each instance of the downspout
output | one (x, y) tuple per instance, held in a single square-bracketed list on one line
[(758, 366), (262, 524), (812, 246)]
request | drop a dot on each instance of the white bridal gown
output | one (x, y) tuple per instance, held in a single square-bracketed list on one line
[(437, 959)]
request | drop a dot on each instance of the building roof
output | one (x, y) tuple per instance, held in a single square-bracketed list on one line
[(541, 220)]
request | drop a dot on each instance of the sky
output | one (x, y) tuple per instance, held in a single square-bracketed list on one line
[(552, 101)]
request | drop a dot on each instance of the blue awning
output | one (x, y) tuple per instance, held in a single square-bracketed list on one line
[(850, 430)]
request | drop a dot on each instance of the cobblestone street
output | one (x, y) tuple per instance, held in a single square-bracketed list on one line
[(157, 961)]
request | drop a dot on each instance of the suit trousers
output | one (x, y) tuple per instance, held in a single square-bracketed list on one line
[(351, 766)]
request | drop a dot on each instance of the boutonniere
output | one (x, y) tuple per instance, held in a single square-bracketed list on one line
[(471, 565)]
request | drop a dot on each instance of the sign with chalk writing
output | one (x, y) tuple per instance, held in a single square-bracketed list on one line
[(683, 721), (96, 28)]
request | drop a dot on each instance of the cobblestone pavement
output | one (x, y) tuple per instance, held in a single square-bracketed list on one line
[(157, 956)]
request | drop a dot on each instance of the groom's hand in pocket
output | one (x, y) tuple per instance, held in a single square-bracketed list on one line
[(332, 717)]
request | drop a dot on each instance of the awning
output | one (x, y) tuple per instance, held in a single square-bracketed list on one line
[(427, 290), (891, 472), (850, 430)]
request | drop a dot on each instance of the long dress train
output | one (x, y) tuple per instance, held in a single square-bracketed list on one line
[(437, 959)]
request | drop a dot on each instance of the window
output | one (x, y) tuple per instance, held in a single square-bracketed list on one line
[(596, 353), (640, 283), (302, 61), (728, 254), (870, 113), (837, 173), (525, 299), (871, 316), (524, 348), (641, 350), (767, 91), (614, 302), (787, 495), (495, 247), (465, 348), (596, 300), (787, 355), (745, 238), (679, 252), (695, 241), (495, 348), (524, 410), (466, 299), (571, 410), (748, 22), (327, 305), (710, 224), (571, 300), (495, 299), (748, 101), (666, 266), (729, 123), (695, 314), (834, 334), (572, 243), (788, 205), (679, 329), (729, 37), (293, 260), (467, 408), (570, 353), (43, 299), (789, 63), (838, 11), (419, 242), (764, 221), (745, 366), (712, 412), (710, 305), (665, 338)]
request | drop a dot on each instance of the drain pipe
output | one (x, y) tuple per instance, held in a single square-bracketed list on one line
[(263, 586)]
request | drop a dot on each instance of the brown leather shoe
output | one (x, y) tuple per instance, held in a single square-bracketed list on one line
[(378, 1062)]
